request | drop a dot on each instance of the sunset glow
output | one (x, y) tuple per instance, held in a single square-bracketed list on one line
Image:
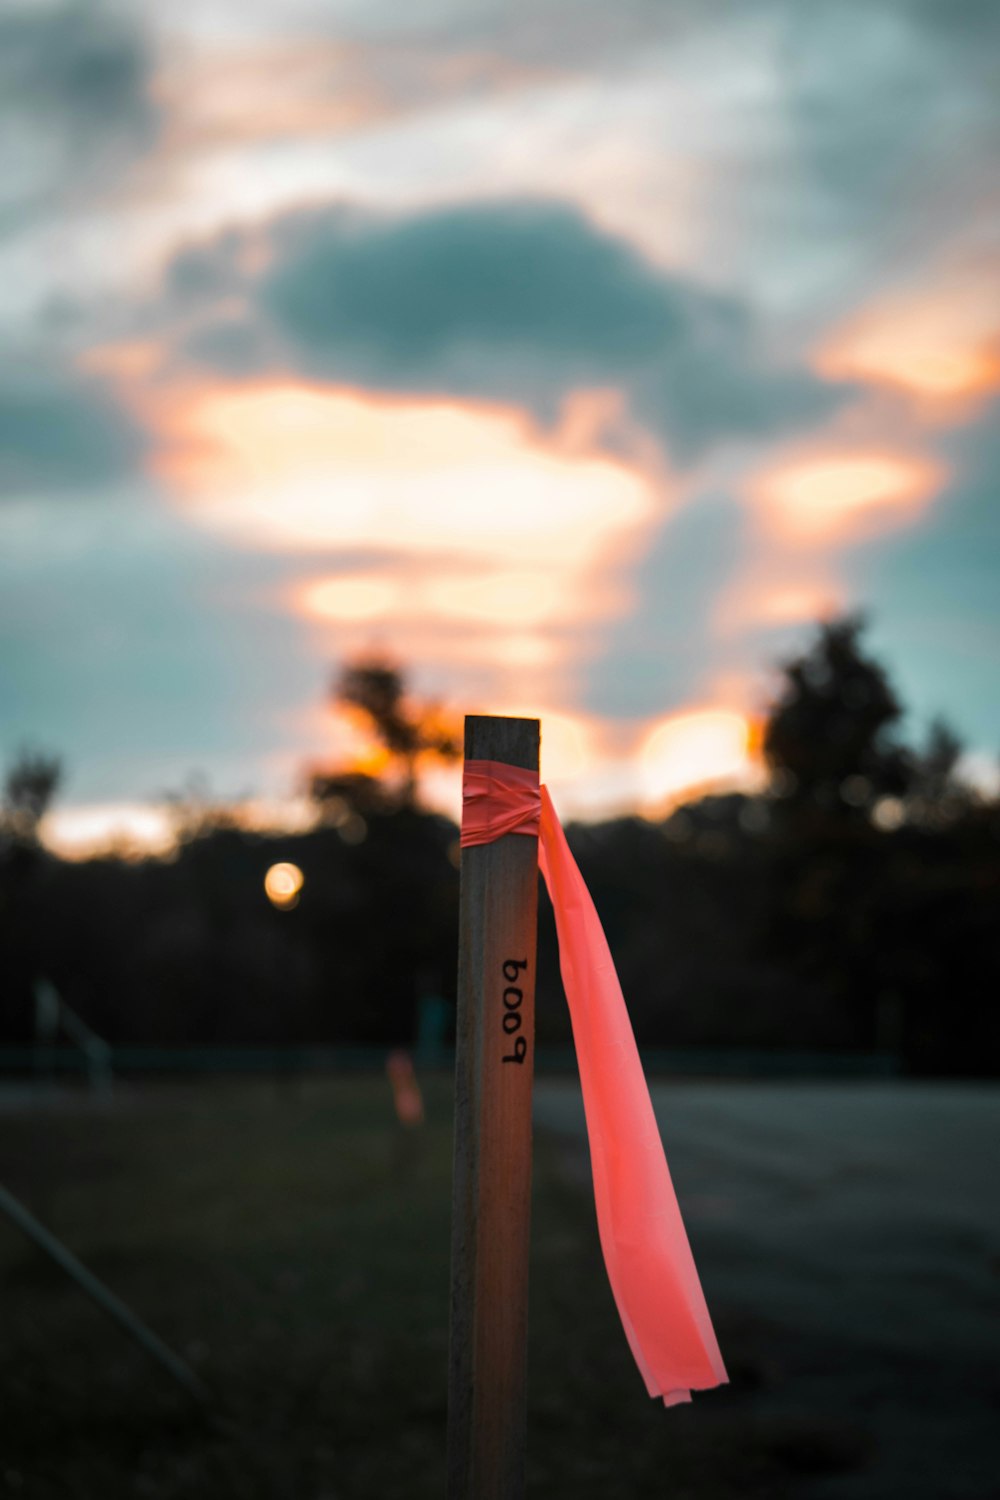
[(528, 597), (694, 750), (310, 469), (127, 828), (771, 600), (350, 598), (482, 540), (576, 366), (784, 606), (944, 347), (833, 498)]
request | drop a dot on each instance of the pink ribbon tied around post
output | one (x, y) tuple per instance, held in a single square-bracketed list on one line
[(646, 1250)]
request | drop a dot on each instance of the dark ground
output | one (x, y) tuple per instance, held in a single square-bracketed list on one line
[(850, 1233), (292, 1245)]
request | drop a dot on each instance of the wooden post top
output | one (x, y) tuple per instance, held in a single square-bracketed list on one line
[(514, 742)]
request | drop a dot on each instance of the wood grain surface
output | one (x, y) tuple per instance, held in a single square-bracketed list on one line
[(491, 1190)]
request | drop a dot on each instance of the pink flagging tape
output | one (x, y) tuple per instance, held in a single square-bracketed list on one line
[(498, 799), (646, 1250)]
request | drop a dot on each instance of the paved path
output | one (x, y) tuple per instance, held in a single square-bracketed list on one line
[(855, 1230)]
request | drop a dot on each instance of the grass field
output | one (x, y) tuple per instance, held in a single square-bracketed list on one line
[(292, 1245)]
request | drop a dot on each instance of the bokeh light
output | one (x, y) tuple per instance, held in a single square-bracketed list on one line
[(283, 885)]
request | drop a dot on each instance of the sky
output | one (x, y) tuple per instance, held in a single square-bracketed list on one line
[(580, 357)]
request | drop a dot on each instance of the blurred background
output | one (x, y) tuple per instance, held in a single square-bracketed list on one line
[(632, 368)]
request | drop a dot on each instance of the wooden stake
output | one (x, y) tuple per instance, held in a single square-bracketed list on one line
[(491, 1190)]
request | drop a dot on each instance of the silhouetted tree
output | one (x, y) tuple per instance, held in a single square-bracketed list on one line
[(29, 786), (938, 795), (195, 813), (939, 761), (828, 739), (343, 792), (407, 729)]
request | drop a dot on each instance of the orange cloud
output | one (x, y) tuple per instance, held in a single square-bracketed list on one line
[(313, 468), (236, 96), (774, 592), (942, 347), (349, 599), (836, 497), (123, 362), (795, 605), (528, 597), (488, 550), (487, 543), (223, 97)]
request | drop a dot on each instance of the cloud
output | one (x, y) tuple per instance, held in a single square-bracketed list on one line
[(903, 40), (461, 535), (823, 498), (935, 590), (139, 649), (893, 117), (662, 653), (75, 103), (520, 301), (322, 83), (61, 432), (938, 342), (406, 296)]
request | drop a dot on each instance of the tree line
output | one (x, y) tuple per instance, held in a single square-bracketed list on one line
[(850, 904)]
